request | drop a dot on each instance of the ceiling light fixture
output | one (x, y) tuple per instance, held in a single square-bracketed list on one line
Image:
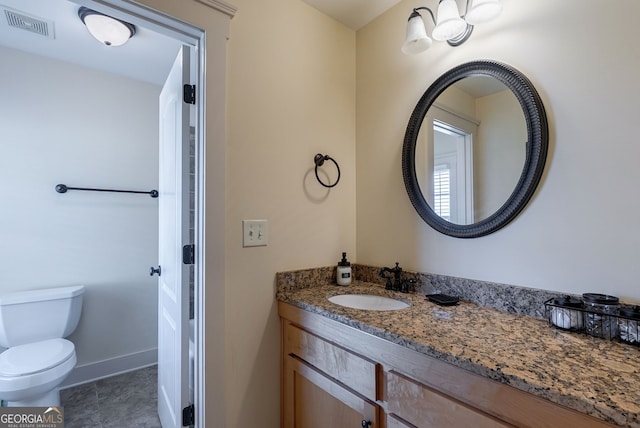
[(449, 24), (106, 29)]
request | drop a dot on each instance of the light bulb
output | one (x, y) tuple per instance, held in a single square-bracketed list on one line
[(107, 30), (417, 39), (449, 24), (483, 11)]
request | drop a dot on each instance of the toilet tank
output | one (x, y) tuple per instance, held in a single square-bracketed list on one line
[(35, 315)]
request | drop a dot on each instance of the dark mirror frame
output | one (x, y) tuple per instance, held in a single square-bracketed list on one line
[(536, 148)]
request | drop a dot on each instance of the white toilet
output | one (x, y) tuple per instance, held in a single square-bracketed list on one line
[(32, 325)]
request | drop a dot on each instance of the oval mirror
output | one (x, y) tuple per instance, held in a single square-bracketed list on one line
[(475, 148)]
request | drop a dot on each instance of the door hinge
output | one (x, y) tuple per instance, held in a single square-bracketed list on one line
[(188, 254), (189, 94), (188, 416)]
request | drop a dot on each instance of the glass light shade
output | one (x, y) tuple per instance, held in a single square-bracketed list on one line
[(107, 30), (417, 39), (483, 11), (449, 23)]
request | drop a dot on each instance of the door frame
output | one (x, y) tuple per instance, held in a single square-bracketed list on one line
[(209, 160)]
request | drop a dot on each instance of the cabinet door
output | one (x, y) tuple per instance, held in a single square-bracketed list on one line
[(351, 369), (312, 400), (426, 408)]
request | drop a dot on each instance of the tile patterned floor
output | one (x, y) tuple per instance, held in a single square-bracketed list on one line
[(127, 400)]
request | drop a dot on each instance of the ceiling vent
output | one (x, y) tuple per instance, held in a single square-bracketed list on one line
[(29, 23)]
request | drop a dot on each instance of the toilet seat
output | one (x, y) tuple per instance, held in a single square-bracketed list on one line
[(35, 357), (49, 364)]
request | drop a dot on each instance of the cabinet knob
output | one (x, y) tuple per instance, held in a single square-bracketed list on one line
[(366, 424), (153, 270)]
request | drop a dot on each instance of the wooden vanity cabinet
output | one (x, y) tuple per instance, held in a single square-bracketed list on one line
[(336, 376)]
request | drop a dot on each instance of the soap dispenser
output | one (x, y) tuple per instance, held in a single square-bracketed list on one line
[(343, 273)]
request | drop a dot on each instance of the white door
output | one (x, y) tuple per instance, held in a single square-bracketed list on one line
[(173, 282)]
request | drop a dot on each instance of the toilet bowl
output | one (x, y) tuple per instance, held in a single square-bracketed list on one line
[(38, 358)]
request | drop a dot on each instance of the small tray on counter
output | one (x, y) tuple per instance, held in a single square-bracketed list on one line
[(443, 299)]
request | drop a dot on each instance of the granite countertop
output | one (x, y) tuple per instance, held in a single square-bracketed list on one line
[(594, 376)]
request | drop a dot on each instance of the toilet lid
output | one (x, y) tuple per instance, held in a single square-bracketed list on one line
[(35, 357)]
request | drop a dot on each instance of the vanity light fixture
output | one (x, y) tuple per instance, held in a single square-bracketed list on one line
[(106, 29), (449, 24)]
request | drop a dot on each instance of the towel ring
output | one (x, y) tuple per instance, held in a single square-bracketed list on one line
[(319, 161)]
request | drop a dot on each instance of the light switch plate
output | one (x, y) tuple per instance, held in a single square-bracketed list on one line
[(255, 233)]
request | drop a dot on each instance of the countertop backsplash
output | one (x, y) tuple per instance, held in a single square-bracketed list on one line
[(503, 297)]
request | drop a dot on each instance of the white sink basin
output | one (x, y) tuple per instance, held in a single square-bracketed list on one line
[(368, 302)]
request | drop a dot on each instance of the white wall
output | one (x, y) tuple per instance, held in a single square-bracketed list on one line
[(499, 152), (579, 232), (65, 124)]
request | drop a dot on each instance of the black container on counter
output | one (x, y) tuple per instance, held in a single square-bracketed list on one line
[(600, 318)]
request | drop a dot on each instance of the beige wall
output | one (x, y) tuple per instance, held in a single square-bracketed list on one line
[(579, 233), (291, 87)]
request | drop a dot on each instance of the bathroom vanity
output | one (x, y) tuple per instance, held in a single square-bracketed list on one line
[(433, 366)]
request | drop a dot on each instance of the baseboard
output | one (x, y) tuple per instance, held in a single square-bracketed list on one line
[(111, 367)]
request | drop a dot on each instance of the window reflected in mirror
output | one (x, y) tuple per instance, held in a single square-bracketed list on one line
[(471, 149)]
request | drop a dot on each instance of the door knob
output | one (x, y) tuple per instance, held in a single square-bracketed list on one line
[(157, 270), (366, 423)]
